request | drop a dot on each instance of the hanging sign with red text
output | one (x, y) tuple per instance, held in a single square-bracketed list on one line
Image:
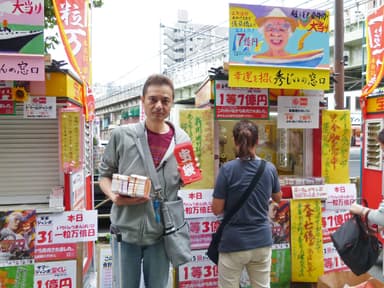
[(235, 103)]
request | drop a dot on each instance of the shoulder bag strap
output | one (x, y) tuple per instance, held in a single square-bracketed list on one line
[(244, 197), (143, 148)]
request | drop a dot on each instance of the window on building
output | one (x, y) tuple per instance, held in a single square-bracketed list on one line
[(348, 102), (357, 103)]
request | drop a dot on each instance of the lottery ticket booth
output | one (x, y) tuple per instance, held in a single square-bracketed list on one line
[(46, 175), (304, 160), (307, 143)]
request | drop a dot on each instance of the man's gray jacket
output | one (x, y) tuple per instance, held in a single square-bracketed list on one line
[(125, 155)]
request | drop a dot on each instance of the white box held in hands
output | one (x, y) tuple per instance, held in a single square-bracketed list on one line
[(131, 186)]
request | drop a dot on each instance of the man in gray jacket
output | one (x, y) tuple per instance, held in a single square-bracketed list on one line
[(137, 218)]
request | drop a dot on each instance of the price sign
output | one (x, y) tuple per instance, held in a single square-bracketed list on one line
[(67, 227)]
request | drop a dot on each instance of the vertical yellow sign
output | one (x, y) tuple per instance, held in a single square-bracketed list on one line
[(198, 123), (306, 240), (70, 141), (335, 143)]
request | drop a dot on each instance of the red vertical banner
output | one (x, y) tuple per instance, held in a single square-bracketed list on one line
[(73, 22), (375, 53)]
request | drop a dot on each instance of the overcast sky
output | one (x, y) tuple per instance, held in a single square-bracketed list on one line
[(126, 34)]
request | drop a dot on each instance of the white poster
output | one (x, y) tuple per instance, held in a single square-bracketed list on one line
[(67, 227), (340, 196), (104, 271), (55, 274), (298, 112), (40, 107), (197, 203)]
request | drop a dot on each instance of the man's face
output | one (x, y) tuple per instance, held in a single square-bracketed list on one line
[(277, 33), (14, 225), (157, 102)]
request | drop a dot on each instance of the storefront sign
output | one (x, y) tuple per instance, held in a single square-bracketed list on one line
[(197, 203), (235, 103), (67, 227), (375, 104), (307, 248), (22, 67), (55, 274), (40, 107), (340, 196), (275, 77), (298, 112)]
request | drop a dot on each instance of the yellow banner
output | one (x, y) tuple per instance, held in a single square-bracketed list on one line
[(306, 240), (335, 143), (70, 141), (198, 123), (278, 77)]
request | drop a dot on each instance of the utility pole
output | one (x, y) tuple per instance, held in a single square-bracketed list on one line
[(339, 55)]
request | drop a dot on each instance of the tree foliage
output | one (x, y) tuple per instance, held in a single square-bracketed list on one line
[(52, 40)]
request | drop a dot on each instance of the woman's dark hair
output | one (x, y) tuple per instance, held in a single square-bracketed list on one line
[(158, 79), (380, 136), (245, 135)]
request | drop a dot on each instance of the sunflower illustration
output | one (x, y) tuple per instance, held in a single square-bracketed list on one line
[(19, 94)]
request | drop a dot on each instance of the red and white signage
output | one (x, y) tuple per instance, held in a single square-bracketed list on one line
[(340, 196), (197, 203), (40, 107), (55, 274), (298, 112), (235, 103), (198, 273), (67, 227), (200, 231)]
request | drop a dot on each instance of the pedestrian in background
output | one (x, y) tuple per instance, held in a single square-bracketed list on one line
[(247, 238), (142, 244)]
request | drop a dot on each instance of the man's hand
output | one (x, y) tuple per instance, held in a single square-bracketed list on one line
[(124, 200)]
